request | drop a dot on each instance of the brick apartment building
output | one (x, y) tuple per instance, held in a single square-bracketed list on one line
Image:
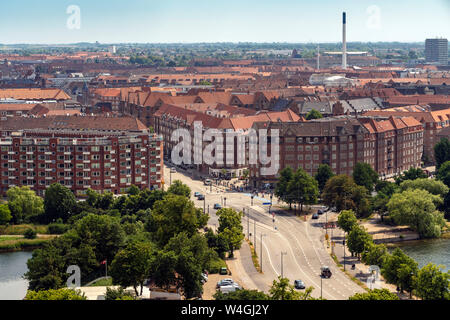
[(389, 145), (169, 118), (432, 121), (100, 153)]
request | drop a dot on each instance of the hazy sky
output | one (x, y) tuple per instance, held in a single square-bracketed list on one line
[(151, 21)]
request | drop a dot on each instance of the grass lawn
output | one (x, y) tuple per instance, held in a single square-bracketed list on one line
[(102, 283), (14, 243), (9, 238), (20, 229)]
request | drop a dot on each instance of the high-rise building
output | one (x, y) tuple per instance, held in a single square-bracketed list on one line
[(436, 50)]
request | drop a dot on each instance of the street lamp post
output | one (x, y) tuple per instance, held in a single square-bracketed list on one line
[(282, 254), (204, 204), (262, 235), (321, 278)]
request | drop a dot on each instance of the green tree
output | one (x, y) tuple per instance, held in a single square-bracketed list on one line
[(432, 283), (344, 194), (399, 269), (133, 190), (324, 173), (5, 213), (364, 175), (346, 220), (375, 294), (374, 254), (313, 114), (192, 257), (435, 187), (416, 208), (230, 228), (172, 215), (92, 197), (411, 174), (180, 189), (302, 189), (102, 233), (59, 202), (442, 152), (281, 190), (55, 294), (30, 234), (24, 205), (117, 294), (443, 174), (283, 290), (132, 265), (358, 240)]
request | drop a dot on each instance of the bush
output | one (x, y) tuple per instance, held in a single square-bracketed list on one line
[(30, 234), (215, 265), (117, 294), (57, 228)]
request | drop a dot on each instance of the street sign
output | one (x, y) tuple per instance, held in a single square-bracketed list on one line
[(267, 203)]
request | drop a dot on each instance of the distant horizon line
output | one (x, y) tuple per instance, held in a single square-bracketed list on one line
[(217, 42)]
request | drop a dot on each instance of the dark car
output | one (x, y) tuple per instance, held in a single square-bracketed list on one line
[(217, 206), (298, 284), (196, 194), (315, 216), (320, 211), (325, 272), (223, 271), (201, 197)]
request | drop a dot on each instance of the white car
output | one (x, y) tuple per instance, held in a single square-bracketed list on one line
[(230, 288), (225, 282)]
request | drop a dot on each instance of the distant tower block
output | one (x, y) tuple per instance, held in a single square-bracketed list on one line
[(344, 41)]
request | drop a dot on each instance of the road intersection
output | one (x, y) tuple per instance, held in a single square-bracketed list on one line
[(289, 242)]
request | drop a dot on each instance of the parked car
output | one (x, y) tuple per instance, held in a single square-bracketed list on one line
[(204, 277), (207, 182), (315, 216), (298, 284), (325, 272), (228, 289), (173, 170), (320, 211), (217, 206), (223, 270), (201, 197), (225, 282), (196, 194)]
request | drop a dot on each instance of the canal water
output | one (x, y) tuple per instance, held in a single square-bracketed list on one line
[(13, 266), (436, 251)]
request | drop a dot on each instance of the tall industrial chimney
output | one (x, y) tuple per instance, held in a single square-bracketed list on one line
[(318, 58), (344, 41)]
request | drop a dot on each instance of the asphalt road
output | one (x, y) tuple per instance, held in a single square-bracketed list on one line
[(300, 244)]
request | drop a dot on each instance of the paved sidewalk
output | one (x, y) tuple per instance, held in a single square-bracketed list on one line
[(242, 267)]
